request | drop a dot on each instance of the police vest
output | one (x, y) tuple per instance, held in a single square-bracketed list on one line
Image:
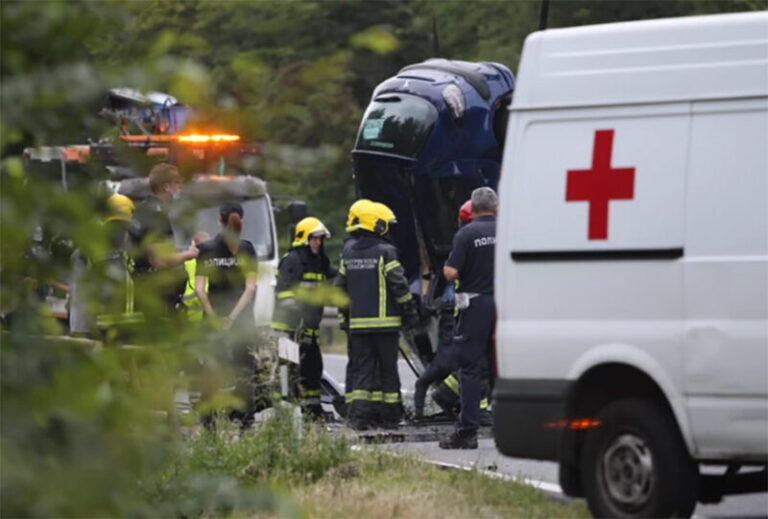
[(191, 301)]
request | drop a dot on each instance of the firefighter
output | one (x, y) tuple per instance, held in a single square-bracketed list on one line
[(471, 261), (298, 311), (379, 303), (352, 228), (159, 271), (447, 393), (115, 291)]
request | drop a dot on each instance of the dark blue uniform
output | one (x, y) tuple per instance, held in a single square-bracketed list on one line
[(156, 289), (300, 268), (472, 255), (378, 291)]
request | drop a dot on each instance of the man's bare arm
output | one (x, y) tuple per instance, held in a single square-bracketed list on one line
[(450, 273), (160, 258)]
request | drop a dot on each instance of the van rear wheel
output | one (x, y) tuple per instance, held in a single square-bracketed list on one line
[(635, 464)]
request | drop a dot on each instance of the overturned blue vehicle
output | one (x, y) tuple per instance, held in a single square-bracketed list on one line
[(430, 135)]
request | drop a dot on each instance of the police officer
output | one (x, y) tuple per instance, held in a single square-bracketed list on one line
[(227, 266), (379, 301), (159, 272), (299, 305), (471, 261)]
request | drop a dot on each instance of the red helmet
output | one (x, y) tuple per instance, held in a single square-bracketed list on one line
[(465, 213)]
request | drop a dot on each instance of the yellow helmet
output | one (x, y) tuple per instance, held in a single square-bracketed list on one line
[(120, 208), (307, 227), (376, 218), (356, 210)]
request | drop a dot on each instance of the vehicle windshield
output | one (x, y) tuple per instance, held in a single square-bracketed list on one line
[(257, 225), (399, 124)]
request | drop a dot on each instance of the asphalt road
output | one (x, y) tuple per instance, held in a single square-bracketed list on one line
[(542, 474)]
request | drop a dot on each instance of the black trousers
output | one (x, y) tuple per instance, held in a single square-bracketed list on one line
[(441, 366), (473, 334), (375, 395), (310, 375)]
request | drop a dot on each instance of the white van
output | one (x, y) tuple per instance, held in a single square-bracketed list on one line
[(632, 262)]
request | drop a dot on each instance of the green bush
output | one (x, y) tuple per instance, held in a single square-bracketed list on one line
[(225, 469)]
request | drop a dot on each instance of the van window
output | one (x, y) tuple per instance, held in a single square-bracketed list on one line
[(398, 124)]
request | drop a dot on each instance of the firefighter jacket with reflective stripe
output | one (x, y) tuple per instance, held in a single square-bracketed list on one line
[(375, 281), (116, 290), (299, 273)]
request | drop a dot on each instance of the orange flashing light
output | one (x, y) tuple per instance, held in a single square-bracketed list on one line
[(202, 139), (579, 424), (146, 138)]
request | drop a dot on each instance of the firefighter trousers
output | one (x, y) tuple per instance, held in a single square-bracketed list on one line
[(375, 395), (310, 374), (441, 366)]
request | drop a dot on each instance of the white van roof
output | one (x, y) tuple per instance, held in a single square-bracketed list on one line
[(673, 59)]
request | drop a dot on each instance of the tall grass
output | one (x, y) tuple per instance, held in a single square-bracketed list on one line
[(224, 470)]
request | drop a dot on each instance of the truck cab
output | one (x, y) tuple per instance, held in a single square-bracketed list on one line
[(632, 262)]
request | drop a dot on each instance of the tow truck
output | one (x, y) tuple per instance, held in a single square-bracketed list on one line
[(156, 126)]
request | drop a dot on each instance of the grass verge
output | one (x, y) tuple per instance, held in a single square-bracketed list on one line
[(281, 470), (379, 485)]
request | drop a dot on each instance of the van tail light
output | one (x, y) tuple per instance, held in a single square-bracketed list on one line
[(579, 424)]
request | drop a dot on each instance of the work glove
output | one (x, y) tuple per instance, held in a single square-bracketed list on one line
[(411, 318), (344, 321)]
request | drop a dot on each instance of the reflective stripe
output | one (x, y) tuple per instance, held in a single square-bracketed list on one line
[(382, 290), (113, 319), (311, 392), (374, 322), (285, 294), (128, 293), (342, 268), (391, 266), (275, 325), (452, 383), (358, 394), (484, 403), (312, 332), (313, 275), (128, 316), (404, 299), (391, 398), (377, 396)]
